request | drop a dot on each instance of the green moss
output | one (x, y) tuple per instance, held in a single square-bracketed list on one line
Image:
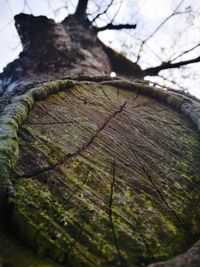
[(66, 213), (44, 220), (14, 254), (13, 115), (40, 227)]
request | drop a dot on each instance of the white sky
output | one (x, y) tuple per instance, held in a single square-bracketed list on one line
[(177, 35)]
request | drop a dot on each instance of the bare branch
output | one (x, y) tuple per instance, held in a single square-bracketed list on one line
[(111, 26), (81, 8), (173, 83), (6, 25), (185, 52), (26, 5), (103, 12), (117, 11), (175, 12), (158, 84), (168, 65)]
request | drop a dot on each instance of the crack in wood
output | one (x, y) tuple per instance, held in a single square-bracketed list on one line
[(51, 123), (158, 191), (79, 150), (112, 185)]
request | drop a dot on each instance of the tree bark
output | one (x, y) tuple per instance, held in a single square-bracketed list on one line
[(54, 50)]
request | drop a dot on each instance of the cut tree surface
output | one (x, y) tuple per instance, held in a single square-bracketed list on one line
[(107, 174)]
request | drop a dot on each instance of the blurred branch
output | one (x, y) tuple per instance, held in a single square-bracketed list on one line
[(6, 25), (168, 65), (173, 83), (26, 5), (116, 13), (81, 8), (103, 12), (174, 13), (185, 52), (111, 26), (16, 46)]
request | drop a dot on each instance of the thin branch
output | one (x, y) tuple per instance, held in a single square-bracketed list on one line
[(172, 82), (185, 52), (175, 12), (81, 9), (103, 12), (26, 5), (116, 13), (111, 26), (98, 8), (168, 65), (10, 7), (6, 25), (16, 46)]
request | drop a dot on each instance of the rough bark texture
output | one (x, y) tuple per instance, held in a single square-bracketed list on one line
[(53, 50), (93, 171)]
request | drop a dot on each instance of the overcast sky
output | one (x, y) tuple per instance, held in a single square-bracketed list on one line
[(180, 33)]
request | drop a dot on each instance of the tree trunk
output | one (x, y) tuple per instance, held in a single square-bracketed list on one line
[(94, 171), (54, 50)]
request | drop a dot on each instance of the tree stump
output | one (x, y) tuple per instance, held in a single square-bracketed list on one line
[(100, 172)]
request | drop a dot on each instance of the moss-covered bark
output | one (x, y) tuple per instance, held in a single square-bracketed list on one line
[(104, 176)]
